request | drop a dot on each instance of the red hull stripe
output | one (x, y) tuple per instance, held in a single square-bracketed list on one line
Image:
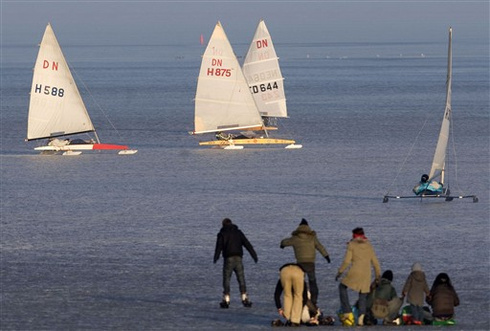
[(109, 146)]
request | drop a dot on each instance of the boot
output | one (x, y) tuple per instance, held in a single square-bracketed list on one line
[(225, 303), (246, 302), (347, 319)]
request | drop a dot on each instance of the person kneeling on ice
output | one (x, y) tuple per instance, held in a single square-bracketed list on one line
[(383, 302), (298, 307), (443, 298), (360, 256), (230, 241)]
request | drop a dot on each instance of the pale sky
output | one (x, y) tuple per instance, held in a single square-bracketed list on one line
[(157, 22)]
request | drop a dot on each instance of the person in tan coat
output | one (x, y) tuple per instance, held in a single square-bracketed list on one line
[(360, 256)]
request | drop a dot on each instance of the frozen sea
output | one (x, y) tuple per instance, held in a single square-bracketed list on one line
[(105, 242)]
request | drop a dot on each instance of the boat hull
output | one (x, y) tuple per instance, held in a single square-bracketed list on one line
[(252, 141), (82, 147)]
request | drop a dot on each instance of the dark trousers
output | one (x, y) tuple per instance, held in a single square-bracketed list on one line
[(309, 268), (233, 264)]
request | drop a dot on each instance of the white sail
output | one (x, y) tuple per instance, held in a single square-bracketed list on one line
[(223, 100), (56, 107), (438, 163), (263, 74)]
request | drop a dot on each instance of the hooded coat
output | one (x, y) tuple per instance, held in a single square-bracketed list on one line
[(360, 256), (230, 241), (443, 299), (416, 286), (384, 291), (305, 243)]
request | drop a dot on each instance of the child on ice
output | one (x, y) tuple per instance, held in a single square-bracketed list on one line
[(415, 288)]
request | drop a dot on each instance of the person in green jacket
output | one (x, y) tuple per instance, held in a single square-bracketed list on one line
[(384, 290), (305, 244)]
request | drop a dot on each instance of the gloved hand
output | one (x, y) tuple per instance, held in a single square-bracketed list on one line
[(327, 258), (282, 247), (338, 276), (215, 260), (256, 259)]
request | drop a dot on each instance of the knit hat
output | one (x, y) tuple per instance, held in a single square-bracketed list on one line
[(388, 274), (358, 231), (226, 221), (416, 267), (303, 222)]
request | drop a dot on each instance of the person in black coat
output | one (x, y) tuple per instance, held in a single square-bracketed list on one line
[(443, 298), (230, 242)]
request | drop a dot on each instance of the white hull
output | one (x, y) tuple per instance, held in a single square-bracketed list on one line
[(81, 147)]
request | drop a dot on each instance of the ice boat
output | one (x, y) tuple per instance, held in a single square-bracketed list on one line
[(57, 112), (224, 105), (432, 185)]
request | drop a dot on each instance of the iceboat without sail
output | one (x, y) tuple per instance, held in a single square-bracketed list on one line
[(432, 185), (224, 105), (56, 110)]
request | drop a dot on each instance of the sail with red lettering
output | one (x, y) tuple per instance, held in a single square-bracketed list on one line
[(56, 108), (223, 101), (263, 74)]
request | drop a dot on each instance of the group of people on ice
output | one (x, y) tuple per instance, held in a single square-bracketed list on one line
[(377, 301)]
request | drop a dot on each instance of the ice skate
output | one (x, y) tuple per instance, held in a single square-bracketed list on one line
[(246, 302), (225, 303)]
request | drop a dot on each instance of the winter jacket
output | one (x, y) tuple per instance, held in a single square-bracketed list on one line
[(415, 287), (360, 256), (384, 291), (305, 244), (230, 241), (443, 299)]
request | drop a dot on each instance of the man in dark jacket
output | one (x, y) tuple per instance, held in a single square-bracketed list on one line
[(230, 241)]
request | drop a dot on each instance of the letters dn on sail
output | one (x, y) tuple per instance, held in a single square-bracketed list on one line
[(263, 53), (54, 65)]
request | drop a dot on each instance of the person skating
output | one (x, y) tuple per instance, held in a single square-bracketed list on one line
[(230, 241)]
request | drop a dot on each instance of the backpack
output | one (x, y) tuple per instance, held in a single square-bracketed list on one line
[(380, 308)]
